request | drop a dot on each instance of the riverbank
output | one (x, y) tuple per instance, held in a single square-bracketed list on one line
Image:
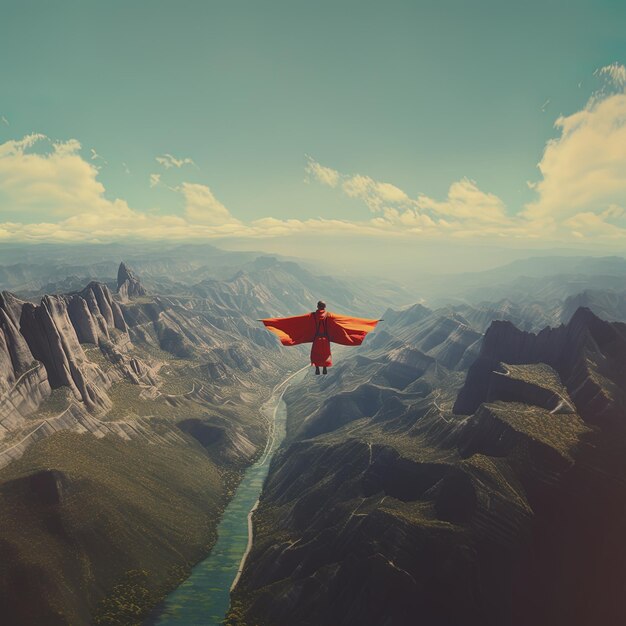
[(204, 598)]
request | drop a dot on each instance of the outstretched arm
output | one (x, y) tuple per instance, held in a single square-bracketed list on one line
[(349, 331), (292, 330)]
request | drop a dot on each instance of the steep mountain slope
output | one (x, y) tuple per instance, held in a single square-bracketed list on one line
[(124, 427), (98, 529), (588, 354), (388, 507)]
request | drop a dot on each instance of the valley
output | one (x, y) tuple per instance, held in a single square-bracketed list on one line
[(446, 468), (451, 478), (127, 421)]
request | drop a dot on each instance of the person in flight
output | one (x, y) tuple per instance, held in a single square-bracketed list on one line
[(321, 328)]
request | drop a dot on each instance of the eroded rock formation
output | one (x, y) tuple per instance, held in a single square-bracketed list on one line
[(128, 285)]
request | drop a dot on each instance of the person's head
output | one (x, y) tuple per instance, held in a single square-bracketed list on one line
[(321, 306)]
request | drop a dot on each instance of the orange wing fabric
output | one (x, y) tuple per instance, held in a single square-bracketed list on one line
[(349, 331), (292, 330)]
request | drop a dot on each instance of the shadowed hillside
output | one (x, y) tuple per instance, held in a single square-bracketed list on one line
[(407, 494)]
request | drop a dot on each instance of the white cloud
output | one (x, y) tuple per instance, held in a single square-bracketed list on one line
[(321, 174), (15, 147), (589, 224), (615, 72), (583, 171), (58, 182), (467, 202), (67, 148), (580, 194), (95, 156), (5, 121), (582, 188), (375, 194), (58, 186), (168, 161), (202, 206)]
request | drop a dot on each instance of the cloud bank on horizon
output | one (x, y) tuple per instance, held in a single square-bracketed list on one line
[(580, 194)]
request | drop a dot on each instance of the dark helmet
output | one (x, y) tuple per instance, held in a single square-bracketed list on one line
[(321, 305)]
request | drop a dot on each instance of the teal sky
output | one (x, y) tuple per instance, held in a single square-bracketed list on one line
[(417, 94)]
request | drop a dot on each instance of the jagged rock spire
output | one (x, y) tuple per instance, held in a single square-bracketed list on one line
[(128, 284)]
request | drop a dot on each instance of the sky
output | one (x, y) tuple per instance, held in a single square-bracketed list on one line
[(351, 128)]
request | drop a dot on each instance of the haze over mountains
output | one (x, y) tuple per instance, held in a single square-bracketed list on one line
[(447, 469)]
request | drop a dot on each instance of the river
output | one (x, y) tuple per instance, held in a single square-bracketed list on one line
[(204, 598)]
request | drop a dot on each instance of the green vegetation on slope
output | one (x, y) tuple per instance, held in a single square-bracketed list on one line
[(538, 374), (561, 432), (133, 516)]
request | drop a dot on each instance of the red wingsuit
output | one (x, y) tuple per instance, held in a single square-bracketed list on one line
[(320, 327)]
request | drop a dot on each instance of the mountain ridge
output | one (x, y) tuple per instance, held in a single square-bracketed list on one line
[(406, 508)]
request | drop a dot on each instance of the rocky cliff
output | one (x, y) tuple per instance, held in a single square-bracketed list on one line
[(129, 286), (42, 346), (23, 380), (588, 353), (388, 507)]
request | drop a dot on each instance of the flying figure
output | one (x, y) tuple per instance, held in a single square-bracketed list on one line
[(320, 327)]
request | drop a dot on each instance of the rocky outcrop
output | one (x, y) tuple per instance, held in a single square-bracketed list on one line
[(12, 306), (53, 341), (589, 355), (22, 398), (16, 348), (94, 314), (128, 285), (23, 381), (101, 303), (40, 350), (84, 322)]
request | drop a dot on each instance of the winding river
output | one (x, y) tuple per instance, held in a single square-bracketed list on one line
[(204, 598)]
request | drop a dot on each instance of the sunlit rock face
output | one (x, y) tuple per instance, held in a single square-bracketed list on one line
[(23, 381)]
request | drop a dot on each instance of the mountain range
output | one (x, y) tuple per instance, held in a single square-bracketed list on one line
[(443, 477), (126, 421), (464, 465)]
